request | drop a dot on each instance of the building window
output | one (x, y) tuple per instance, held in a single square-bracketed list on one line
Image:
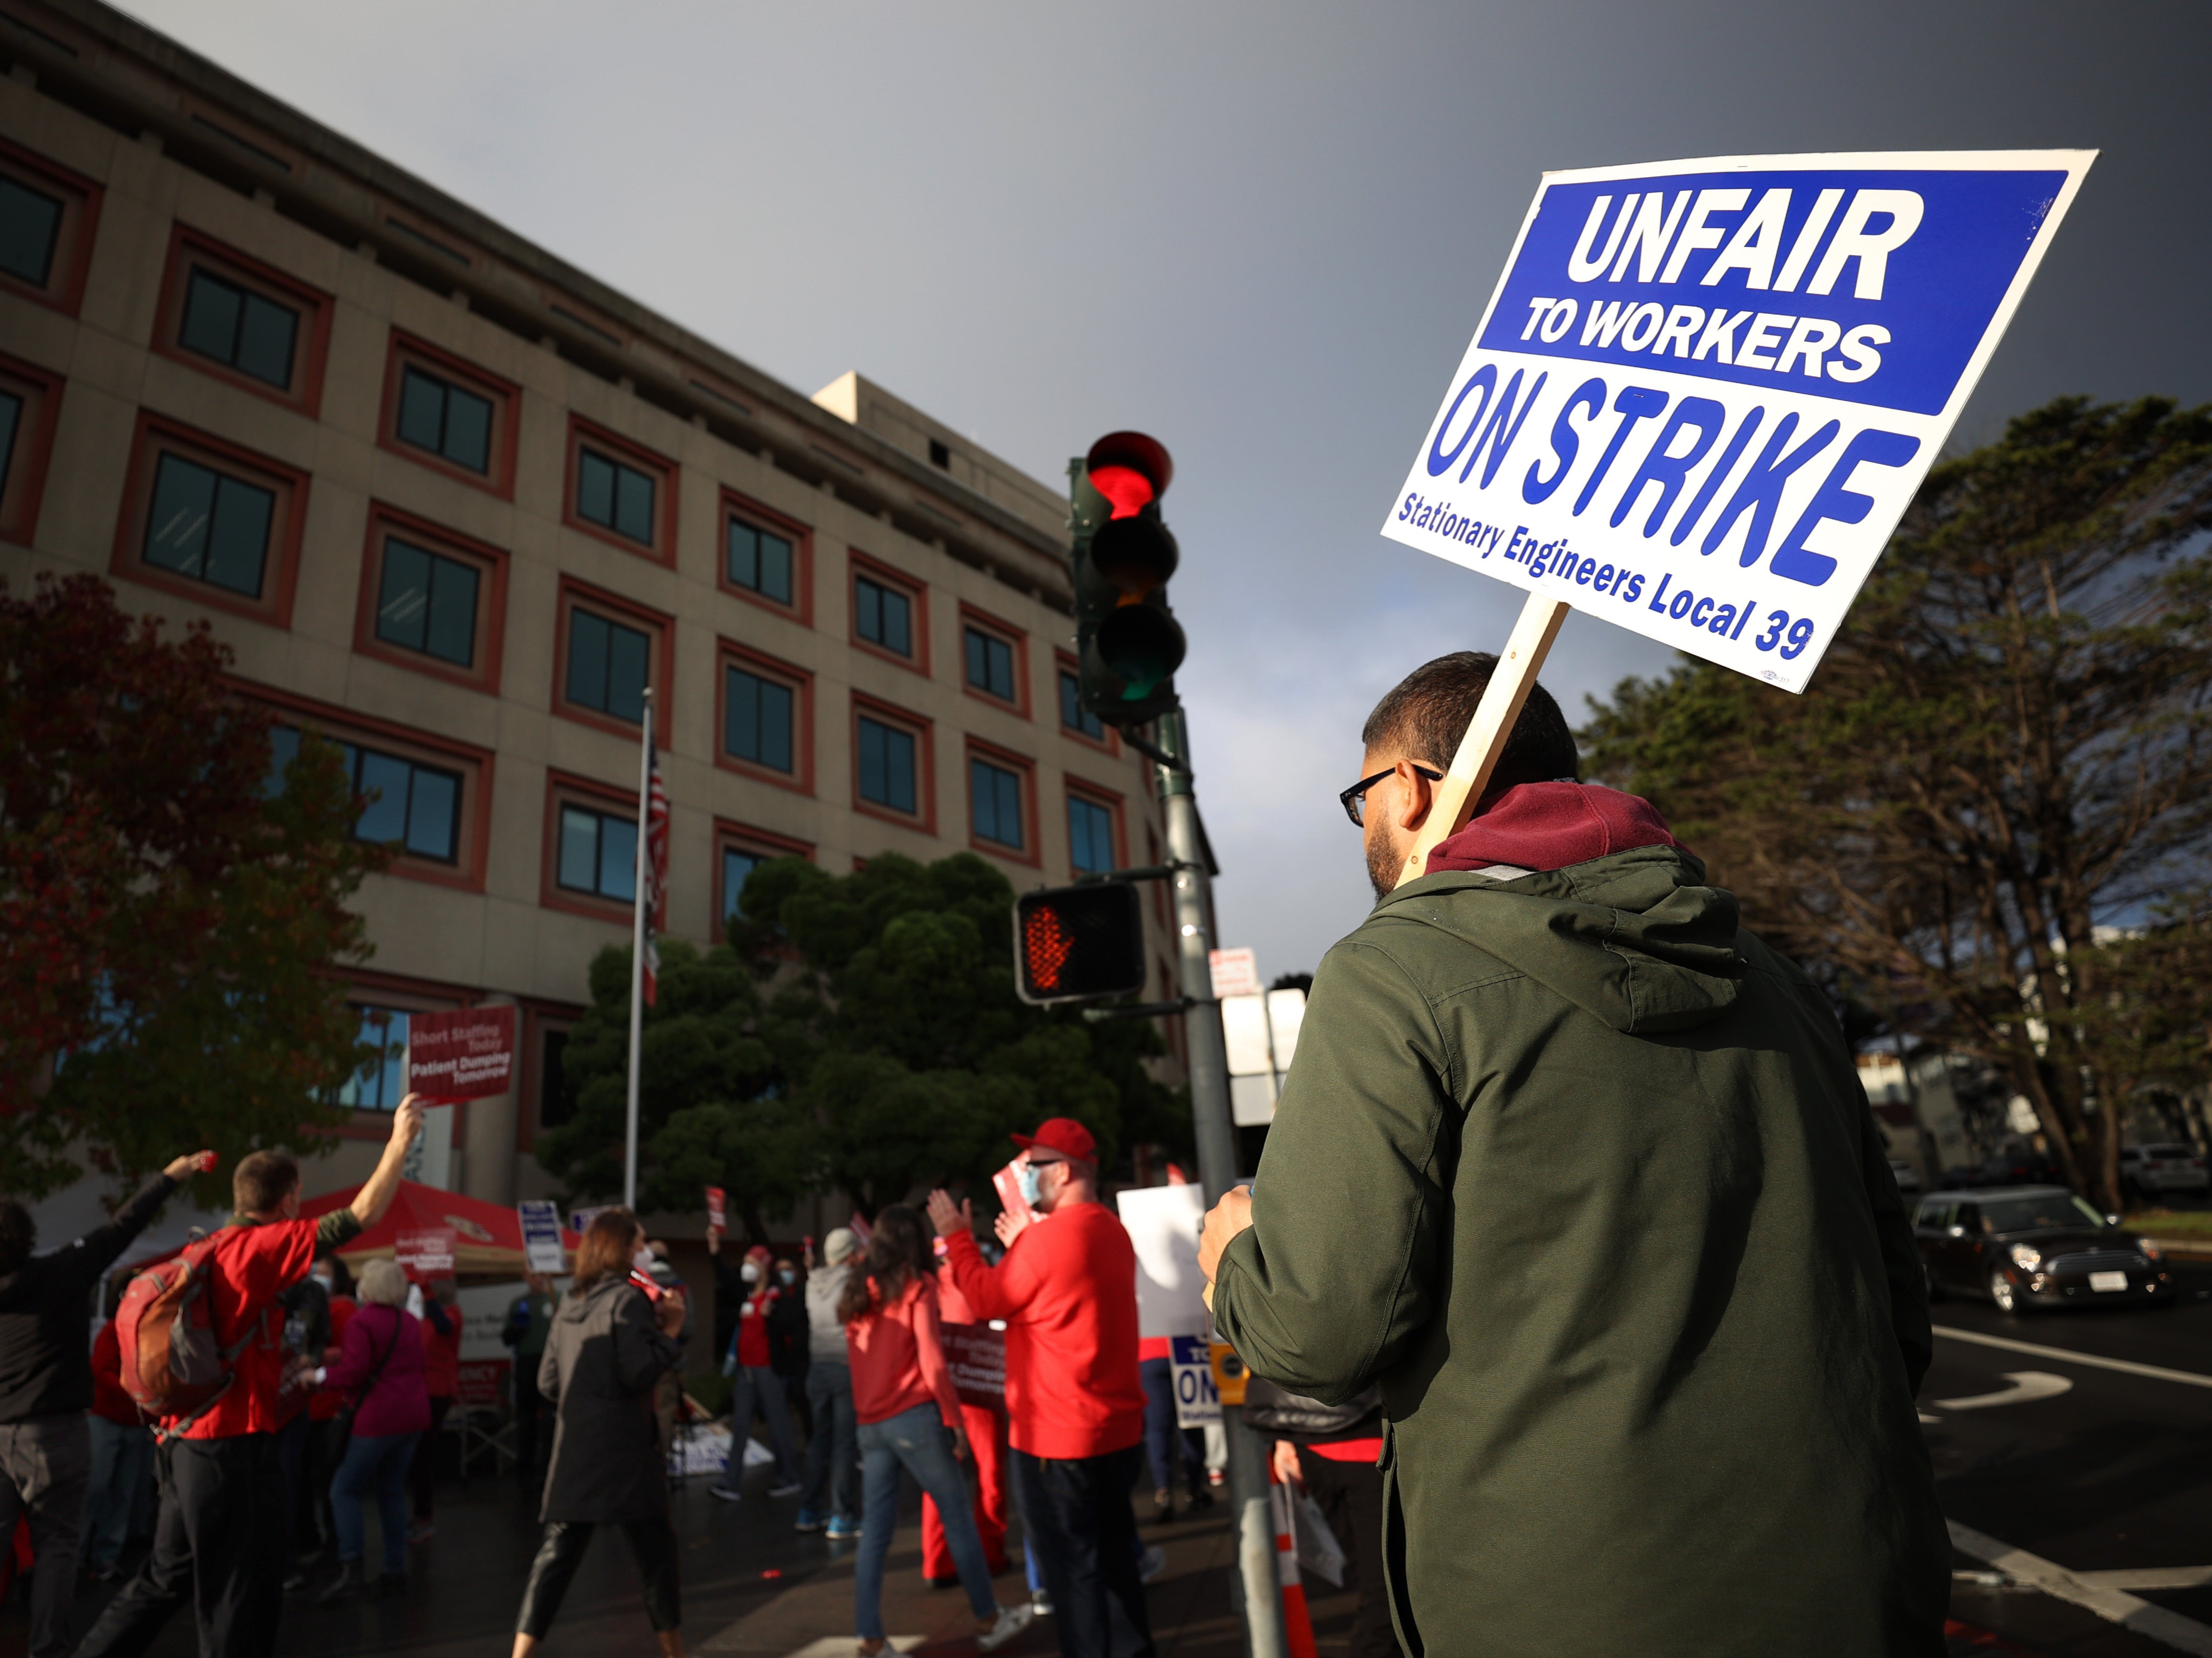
[(884, 615), (940, 454), (1074, 716), (427, 602), (556, 1100), (238, 328), (736, 863), (597, 853), (737, 853), (381, 1082), (410, 806), (29, 399), (449, 421), (887, 767), (760, 561), (614, 495), (990, 663), (208, 525), (995, 799), (30, 231), (757, 719), (47, 222), (1090, 837), (609, 667), (12, 406)]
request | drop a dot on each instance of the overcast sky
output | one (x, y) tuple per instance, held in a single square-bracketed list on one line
[(1262, 233)]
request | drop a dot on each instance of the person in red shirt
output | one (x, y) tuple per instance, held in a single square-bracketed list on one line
[(909, 1416), (122, 1451), (1067, 1289), (750, 1362), (220, 1533), (986, 1443), (442, 1374)]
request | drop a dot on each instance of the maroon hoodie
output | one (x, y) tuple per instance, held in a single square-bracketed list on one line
[(1544, 826)]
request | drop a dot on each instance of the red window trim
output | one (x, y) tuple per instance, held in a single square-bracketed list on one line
[(662, 628), (925, 765), (491, 620), (1064, 662), (984, 622), (729, 832), (504, 395), (551, 895), (1116, 803), (1032, 853), (67, 297), (127, 563), (475, 826), (857, 562), (535, 1016), (35, 449), (313, 345), (735, 505), (663, 551), (800, 779)]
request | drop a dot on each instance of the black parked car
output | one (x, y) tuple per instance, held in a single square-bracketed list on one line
[(2024, 1247)]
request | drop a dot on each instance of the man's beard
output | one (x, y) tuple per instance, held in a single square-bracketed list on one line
[(1384, 862)]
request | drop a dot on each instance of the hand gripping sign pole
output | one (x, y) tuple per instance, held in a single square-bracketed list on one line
[(1703, 392)]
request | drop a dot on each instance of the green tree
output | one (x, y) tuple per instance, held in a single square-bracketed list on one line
[(168, 922), (2008, 749)]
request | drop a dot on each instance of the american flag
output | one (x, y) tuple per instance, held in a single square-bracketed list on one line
[(656, 862)]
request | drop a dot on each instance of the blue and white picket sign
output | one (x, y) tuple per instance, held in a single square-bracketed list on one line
[(1197, 1400), (1703, 392), (540, 1219)]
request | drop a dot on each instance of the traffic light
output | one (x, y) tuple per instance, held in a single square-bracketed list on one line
[(1128, 641), (1079, 943)]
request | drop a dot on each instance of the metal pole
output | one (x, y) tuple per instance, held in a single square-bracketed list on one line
[(637, 955), (1216, 1168)]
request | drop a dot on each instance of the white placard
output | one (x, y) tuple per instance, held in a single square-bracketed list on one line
[(1286, 1011), (1235, 972), (1244, 1029), (1702, 393), (1162, 1222), (541, 1235)]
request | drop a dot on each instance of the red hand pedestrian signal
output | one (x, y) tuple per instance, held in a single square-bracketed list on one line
[(1083, 943)]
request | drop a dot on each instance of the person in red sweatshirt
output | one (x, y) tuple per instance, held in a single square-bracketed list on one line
[(1067, 1289), (441, 1373)]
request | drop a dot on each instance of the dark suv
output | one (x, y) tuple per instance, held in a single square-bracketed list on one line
[(2034, 1246)]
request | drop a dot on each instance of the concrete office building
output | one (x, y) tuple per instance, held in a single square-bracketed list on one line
[(455, 503)]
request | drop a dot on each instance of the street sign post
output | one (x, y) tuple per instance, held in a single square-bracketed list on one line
[(1703, 392)]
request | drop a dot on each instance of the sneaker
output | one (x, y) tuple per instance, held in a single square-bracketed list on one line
[(1154, 1563), (809, 1520), (1010, 1622), (786, 1488), (1163, 1505), (839, 1528), (1217, 1477), (728, 1494), (1041, 1604)]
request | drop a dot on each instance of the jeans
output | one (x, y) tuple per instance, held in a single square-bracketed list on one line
[(122, 1454), (831, 1470), (1076, 1513), (426, 1471), (759, 1386), (1163, 1439), (45, 1463), (652, 1541), (915, 1440), (375, 1463)]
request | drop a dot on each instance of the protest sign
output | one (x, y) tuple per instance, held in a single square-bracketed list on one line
[(427, 1253), (541, 1235), (462, 1055), (579, 1220), (1703, 392), (976, 1356), (1162, 1222), (718, 1214), (1197, 1400), (1235, 972), (1007, 1183)]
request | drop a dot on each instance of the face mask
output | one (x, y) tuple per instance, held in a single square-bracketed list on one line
[(642, 1261), (1032, 1185), (750, 1272), (788, 1278)]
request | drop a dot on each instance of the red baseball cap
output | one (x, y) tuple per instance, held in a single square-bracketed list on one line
[(1064, 1135)]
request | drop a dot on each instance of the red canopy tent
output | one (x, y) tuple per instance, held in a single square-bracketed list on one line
[(487, 1236)]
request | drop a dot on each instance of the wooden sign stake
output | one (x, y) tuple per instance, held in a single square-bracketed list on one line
[(1486, 733)]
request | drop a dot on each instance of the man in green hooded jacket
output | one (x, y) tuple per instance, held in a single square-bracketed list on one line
[(1581, 1172)]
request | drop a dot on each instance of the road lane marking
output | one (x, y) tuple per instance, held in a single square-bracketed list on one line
[(2114, 1605), (2125, 1366), (2026, 1385), (2150, 1577)]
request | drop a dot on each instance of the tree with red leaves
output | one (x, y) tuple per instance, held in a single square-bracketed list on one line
[(170, 913)]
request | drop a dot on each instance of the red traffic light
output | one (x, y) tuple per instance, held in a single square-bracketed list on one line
[(1082, 942), (1130, 470)]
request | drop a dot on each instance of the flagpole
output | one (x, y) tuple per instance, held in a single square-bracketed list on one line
[(637, 953)]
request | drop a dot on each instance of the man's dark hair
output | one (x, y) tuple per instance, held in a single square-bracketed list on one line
[(263, 1181), (1427, 713), (19, 1234)]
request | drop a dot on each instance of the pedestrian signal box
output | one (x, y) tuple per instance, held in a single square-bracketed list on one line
[(1077, 944)]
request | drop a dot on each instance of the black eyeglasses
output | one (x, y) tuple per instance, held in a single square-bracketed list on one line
[(1355, 798)]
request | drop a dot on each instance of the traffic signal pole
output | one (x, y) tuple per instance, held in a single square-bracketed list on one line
[(1208, 1054)]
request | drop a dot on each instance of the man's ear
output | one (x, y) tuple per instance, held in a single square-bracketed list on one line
[(1416, 795)]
